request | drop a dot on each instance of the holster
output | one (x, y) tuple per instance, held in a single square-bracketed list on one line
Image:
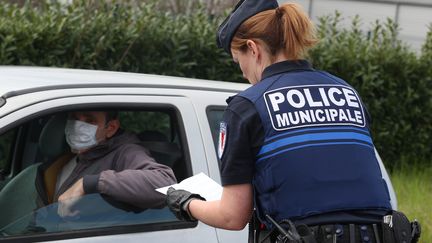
[(398, 229)]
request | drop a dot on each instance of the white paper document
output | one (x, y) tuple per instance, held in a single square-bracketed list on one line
[(200, 184)]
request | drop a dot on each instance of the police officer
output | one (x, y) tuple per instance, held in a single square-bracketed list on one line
[(295, 146)]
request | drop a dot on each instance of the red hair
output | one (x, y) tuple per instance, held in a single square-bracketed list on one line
[(285, 29)]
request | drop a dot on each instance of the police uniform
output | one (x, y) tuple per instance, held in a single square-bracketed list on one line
[(301, 137)]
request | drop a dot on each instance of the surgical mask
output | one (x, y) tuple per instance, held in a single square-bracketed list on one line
[(80, 135)]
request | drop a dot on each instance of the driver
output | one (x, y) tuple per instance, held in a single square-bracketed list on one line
[(104, 159)]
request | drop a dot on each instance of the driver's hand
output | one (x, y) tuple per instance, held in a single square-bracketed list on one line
[(67, 200)]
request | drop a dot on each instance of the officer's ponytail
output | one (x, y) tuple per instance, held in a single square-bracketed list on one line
[(285, 29)]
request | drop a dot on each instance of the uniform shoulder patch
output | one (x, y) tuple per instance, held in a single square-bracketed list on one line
[(223, 132)]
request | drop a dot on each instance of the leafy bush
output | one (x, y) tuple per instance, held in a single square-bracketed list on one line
[(394, 82), (113, 37)]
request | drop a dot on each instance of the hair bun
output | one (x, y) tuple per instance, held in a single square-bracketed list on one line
[(278, 12)]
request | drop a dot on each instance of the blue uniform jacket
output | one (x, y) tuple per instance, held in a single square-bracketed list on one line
[(317, 155)]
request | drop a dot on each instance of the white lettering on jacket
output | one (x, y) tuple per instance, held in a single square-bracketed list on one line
[(314, 105)]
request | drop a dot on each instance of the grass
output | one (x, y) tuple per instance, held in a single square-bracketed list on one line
[(413, 187)]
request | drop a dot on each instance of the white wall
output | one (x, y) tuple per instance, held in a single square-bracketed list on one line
[(414, 22), (413, 16)]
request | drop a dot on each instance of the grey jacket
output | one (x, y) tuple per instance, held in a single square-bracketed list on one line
[(119, 168)]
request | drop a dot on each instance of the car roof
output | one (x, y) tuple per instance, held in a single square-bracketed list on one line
[(16, 80)]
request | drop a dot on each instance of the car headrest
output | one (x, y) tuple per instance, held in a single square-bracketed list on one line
[(52, 142), (161, 149), (152, 136)]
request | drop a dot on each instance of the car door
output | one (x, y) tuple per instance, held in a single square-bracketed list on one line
[(166, 228), (210, 113)]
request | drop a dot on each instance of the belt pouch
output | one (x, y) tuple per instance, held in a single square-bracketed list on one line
[(401, 227)]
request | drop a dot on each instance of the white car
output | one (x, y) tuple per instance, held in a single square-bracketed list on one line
[(177, 118)]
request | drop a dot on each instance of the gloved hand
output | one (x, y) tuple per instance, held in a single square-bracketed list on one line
[(178, 202)]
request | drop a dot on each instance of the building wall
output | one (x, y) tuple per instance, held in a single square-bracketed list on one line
[(413, 16)]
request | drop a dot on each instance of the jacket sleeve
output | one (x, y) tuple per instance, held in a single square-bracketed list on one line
[(133, 179)]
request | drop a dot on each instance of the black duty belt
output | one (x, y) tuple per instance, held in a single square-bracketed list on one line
[(395, 228), (332, 233)]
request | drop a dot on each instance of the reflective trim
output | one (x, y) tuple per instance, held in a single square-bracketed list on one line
[(312, 145), (310, 137)]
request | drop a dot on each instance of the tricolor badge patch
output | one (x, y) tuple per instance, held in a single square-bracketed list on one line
[(222, 138)]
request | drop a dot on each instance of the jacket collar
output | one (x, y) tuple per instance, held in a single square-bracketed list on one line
[(100, 150), (286, 66)]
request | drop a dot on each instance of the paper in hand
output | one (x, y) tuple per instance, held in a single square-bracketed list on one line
[(200, 184)]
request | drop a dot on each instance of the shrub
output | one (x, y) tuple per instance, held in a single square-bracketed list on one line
[(394, 83), (113, 37)]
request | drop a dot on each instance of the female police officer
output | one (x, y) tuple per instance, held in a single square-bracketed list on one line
[(296, 144)]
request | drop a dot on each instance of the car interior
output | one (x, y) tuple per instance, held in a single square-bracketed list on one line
[(39, 140)]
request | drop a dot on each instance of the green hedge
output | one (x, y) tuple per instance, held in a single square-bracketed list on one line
[(394, 82), (119, 37)]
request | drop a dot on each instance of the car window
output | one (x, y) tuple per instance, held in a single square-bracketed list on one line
[(25, 214), (147, 121), (6, 147), (215, 115)]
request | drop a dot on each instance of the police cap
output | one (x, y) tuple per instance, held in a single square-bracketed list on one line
[(242, 11)]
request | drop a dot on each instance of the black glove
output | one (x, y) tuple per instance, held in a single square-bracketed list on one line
[(178, 202)]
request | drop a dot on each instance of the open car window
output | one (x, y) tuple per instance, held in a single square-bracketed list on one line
[(159, 130)]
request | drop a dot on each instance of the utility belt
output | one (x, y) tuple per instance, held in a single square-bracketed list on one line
[(395, 228)]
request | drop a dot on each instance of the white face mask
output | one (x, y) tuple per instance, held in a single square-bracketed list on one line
[(80, 135)]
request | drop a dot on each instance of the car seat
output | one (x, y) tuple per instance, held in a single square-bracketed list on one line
[(52, 140), (161, 149), (18, 197)]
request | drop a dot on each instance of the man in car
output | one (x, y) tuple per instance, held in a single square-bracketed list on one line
[(104, 159)]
